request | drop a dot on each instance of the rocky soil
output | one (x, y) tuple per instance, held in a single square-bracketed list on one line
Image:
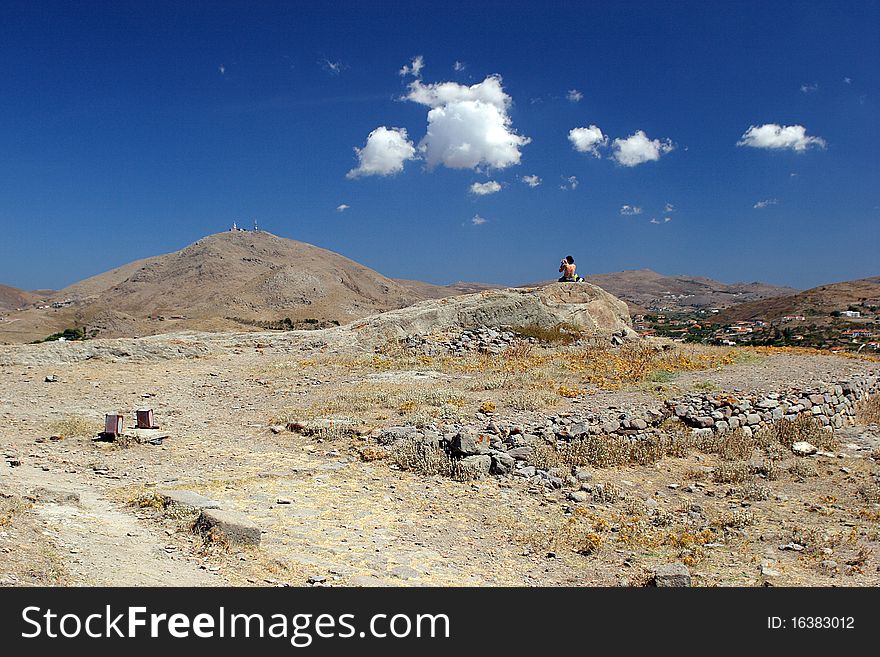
[(334, 505)]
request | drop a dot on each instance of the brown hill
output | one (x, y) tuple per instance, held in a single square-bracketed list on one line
[(816, 302), (12, 298), (224, 281), (430, 291), (646, 290)]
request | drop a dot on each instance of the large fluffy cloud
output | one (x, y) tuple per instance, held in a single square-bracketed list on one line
[(637, 149), (384, 154), (468, 126), (774, 136), (587, 140)]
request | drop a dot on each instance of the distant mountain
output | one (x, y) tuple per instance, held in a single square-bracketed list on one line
[(12, 298), (431, 291), (647, 291), (226, 281), (816, 302)]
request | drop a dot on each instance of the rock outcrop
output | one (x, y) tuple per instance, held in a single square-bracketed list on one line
[(580, 306)]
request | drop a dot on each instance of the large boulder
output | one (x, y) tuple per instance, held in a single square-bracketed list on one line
[(579, 305)]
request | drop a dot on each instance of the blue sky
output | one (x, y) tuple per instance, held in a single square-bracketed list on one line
[(132, 129)]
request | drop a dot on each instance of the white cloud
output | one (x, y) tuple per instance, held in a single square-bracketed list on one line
[(574, 96), (459, 66), (384, 154), (414, 68), (222, 69), (774, 136), (342, 207), (587, 140), (468, 126), (483, 189), (810, 87), (478, 220), (668, 208), (531, 181), (638, 149), (847, 80), (571, 182), (334, 68), (655, 220), (629, 210), (760, 205)]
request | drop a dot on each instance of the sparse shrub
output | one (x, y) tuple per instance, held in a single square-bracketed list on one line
[(487, 407), (423, 458), (606, 493), (756, 492), (10, 506), (868, 410), (735, 445), (769, 469), (801, 469), (732, 472), (148, 500), (804, 427), (870, 493), (530, 400), (737, 519)]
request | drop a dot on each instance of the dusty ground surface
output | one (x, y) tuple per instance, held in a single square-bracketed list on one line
[(70, 512)]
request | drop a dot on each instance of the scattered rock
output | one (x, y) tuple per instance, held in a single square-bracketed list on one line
[(672, 575), (803, 448), (230, 526)]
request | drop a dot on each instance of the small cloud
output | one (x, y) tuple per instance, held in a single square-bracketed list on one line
[(574, 96), (531, 181), (459, 66), (486, 188), (792, 175), (638, 149), (414, 68), (587, 140), (668, 208), (772, 136), (630, 210), (333, 68), (810, 88), (222, 69), (478, 220), (760, 205), (847, 80), (665, 220), (342, 207), (570, 183), (384, 153)]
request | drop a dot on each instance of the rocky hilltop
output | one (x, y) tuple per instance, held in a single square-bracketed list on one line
[(582, 306)]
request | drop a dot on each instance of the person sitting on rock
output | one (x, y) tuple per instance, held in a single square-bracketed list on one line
[(569, 271)]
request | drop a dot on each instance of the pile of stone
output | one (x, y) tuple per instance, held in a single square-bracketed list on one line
[(485, 339)]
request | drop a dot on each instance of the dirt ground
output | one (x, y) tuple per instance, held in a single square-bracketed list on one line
[(68, 511)]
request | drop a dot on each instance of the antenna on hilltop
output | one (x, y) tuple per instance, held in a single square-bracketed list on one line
[(255, 226)]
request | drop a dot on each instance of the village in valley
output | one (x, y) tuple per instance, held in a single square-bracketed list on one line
[(851, 329)]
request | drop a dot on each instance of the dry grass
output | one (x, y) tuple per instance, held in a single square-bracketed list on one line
[(868, 410), (74, 426), (10, 506)]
